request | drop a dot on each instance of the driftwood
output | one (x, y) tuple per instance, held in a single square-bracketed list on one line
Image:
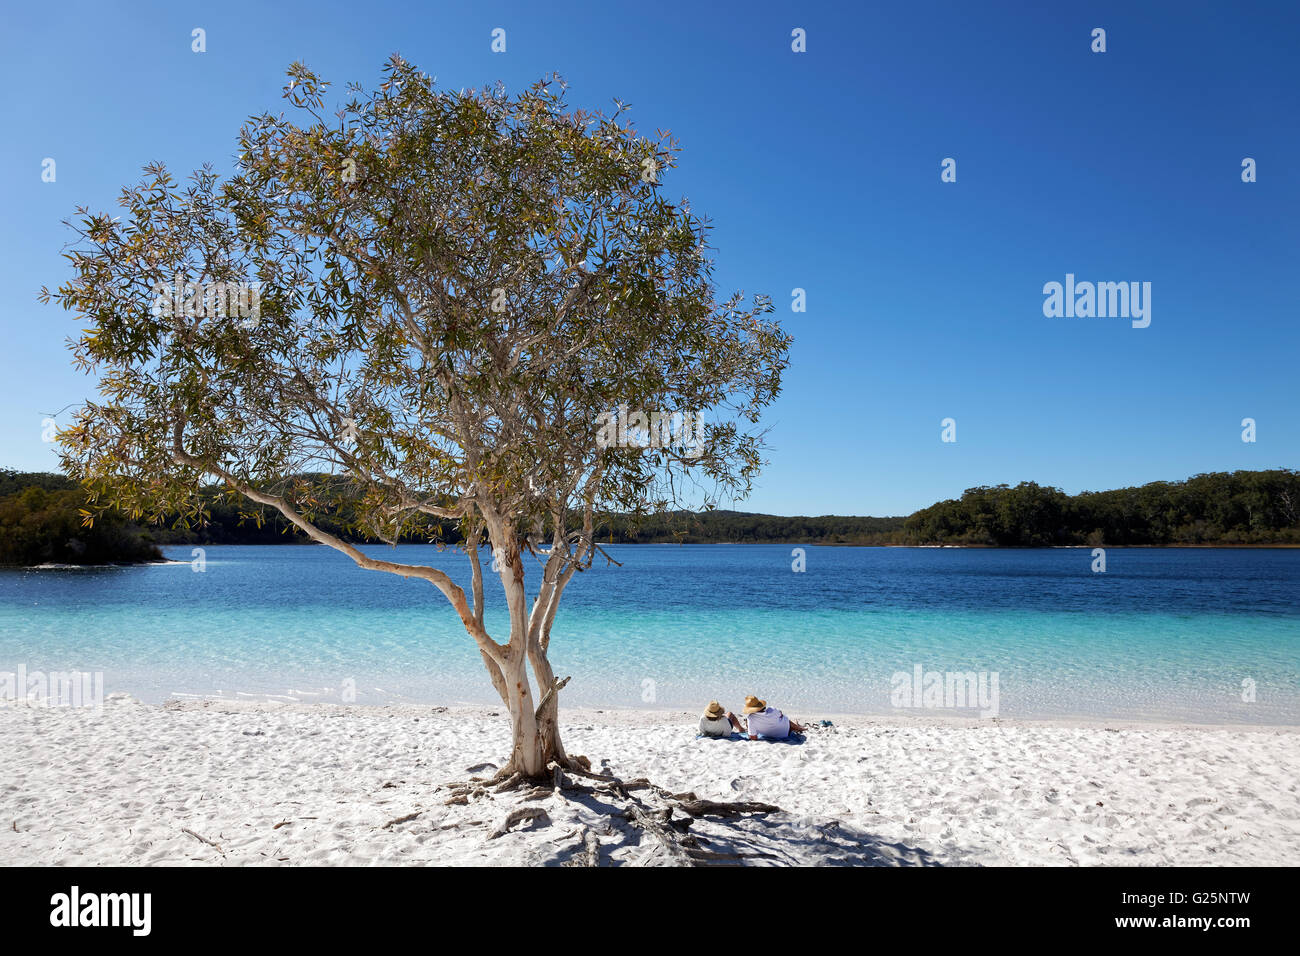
[(203, 839), (517, 816), (712, 808), (406, 819)]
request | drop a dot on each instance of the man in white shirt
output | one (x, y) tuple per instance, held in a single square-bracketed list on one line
[(765, 720)]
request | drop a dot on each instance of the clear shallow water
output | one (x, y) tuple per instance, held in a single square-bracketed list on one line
[(1163, 634)]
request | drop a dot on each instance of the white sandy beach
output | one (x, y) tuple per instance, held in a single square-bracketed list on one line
[(320, 784)]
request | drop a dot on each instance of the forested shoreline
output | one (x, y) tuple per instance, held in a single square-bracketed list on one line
[(41, 521), (1259, 508)]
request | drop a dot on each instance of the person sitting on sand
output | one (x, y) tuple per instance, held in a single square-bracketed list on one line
[(765, 720), (714, 722)]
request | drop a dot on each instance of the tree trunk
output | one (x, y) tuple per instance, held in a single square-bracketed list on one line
[(535, 743), (548, 713), (535, 730)]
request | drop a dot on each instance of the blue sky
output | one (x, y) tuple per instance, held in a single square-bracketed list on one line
[(820, 170)]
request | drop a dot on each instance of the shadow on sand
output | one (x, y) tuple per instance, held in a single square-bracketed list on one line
[(611, 831)]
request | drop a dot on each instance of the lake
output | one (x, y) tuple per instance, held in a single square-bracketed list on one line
[(1203, 635)]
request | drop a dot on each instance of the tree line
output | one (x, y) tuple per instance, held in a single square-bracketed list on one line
[(41, 523), (1218, 508), (41, 520)]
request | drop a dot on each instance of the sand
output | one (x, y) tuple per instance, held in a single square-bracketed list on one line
[(314, 784)]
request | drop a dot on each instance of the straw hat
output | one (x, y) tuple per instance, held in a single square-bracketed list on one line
[(714, 710), (753, 705)]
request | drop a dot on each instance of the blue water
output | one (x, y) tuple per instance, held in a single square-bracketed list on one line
[(1162, 634)]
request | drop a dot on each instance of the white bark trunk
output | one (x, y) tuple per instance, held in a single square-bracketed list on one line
[(534, 738), (535, 743)]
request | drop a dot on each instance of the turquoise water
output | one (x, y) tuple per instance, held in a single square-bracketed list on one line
[(1162, 634)]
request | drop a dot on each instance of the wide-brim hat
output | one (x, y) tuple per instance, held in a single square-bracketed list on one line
[(753, 705), (713, 710)]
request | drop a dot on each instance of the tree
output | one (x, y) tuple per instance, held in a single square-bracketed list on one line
[(442, 309)]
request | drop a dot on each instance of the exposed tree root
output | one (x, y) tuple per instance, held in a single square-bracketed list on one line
[(591, 855), (649, 809), (517, 816), (657, 825), (701, 808), (672, 836), (511, 782)]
